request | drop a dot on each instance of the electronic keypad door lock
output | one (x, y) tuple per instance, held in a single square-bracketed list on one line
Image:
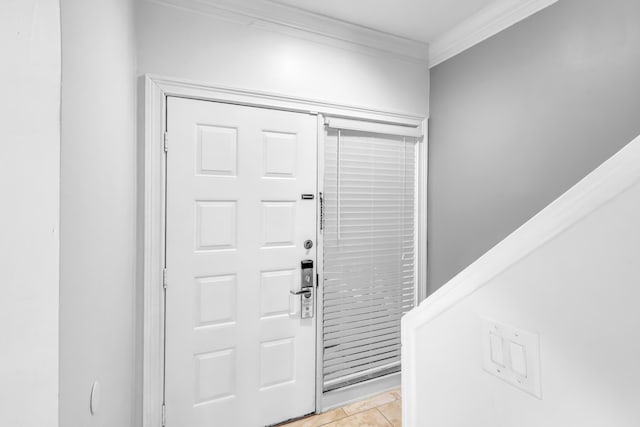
[(307, 290)]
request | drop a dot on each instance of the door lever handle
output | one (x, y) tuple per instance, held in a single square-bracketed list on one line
[(307, 290)]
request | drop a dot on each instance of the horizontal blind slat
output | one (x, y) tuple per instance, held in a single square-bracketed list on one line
[(359, 335), (364, 292), (373, 307), (385, 353), (331, 321), (345, 297), (380, 360), (337, 351), (360, 325)]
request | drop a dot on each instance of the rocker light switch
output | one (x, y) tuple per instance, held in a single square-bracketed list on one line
[(518, 359), (497, 349)]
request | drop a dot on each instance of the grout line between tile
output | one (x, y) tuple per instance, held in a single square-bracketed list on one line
[(384, 416), (333, 421)]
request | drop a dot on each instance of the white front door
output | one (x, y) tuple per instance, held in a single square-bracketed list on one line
[(238, 352)]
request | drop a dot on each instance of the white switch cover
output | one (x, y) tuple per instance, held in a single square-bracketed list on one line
[(519, 361)]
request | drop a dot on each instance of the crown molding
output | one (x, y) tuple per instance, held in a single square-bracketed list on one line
[(482, 25), (273, 16)]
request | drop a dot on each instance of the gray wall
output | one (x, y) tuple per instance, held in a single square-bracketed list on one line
[(520, 118)]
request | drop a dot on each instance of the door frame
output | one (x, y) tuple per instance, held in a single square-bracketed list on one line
[(153, 185)]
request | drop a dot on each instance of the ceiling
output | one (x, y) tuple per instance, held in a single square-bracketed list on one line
[(421, 20)]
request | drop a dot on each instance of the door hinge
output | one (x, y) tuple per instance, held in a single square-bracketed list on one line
[(166, 142), (164, 278), (321, 211), (164, 415)]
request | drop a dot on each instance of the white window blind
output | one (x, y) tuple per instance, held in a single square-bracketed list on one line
[(369, 228)]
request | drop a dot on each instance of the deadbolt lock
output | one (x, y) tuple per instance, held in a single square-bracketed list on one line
[(308, 244)]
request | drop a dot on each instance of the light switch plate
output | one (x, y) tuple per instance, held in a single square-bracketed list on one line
[(520, 359)]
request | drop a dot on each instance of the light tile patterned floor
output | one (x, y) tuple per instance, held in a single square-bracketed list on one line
[(383, 410)]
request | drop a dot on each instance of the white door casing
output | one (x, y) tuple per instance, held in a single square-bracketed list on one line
[(153, 186), (235, 354)]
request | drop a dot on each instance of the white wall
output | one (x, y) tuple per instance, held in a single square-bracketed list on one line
[(100, 323), (579, 291), (98, 212), (29, 190), (178, 43)]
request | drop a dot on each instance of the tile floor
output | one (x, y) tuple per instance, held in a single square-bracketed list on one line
[(383, 410)]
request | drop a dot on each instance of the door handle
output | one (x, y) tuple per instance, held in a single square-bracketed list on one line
[(307, 290)]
